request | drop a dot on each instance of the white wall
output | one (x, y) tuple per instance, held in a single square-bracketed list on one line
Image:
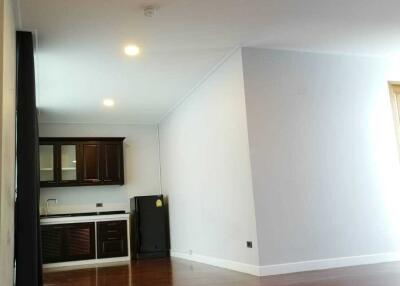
[(206, 172), (293, 151), (7, 142), (323, 154), (140, 160)]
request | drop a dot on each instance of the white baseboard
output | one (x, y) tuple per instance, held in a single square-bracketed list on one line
[(322, 264), (286, 268), (223, 263)]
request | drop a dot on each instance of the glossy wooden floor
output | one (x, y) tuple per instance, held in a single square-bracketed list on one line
[(165, 272)]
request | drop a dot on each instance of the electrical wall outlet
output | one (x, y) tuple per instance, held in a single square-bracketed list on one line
[(99, 205), (249, 244)]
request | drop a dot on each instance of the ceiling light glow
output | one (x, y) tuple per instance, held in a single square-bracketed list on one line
[(132, 50), (108, 102)]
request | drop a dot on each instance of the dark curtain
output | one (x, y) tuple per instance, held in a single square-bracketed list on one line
[(27, 235)]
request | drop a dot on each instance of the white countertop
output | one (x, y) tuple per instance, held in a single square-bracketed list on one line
[(87, 218)]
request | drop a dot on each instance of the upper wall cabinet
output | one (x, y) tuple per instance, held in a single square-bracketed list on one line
[(48, 164), (69, 171), (112, 158), (91, 161), (81, 161)]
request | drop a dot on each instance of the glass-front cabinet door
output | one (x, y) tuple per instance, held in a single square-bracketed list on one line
[(68, 163), (58, 163), (81, 161), (47, 164)]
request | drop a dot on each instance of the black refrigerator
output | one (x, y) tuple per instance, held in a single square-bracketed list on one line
[(150, 231)]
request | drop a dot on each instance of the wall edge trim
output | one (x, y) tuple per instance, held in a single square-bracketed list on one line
[(218, 262), (287, 268), (323, 264)]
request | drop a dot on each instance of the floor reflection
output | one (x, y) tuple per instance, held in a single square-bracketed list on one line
[(177, 272), (149, 272)]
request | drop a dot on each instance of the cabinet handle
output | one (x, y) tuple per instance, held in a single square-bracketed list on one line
[(112, 231), (113, 224), (107, 180), (92, 180)]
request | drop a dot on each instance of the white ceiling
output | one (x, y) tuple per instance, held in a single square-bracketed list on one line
[(80, 42)]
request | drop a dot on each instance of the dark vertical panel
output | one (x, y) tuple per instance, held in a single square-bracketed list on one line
[(53, 243), (112, 239), (91, 162), (28, 244), (80, 241), (151, 226), (112, 162)]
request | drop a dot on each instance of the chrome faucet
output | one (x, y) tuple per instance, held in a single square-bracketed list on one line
[(47, 205)]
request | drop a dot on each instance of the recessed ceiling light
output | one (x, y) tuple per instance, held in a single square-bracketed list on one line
[(108, 102), (132, 50)]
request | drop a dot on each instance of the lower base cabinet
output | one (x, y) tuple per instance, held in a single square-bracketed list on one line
[(112, 239), (52, 243), (68, 242), (77, 241)]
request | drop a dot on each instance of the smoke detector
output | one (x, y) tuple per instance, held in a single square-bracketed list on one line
[(150, 11)]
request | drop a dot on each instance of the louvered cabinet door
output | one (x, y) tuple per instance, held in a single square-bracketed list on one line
[(80, 241), (52, 243)]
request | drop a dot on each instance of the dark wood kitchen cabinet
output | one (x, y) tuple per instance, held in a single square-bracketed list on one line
[(68, 242), (48, 163), (91, 162), (81, 161), (52, 243), (80, 241), (112, 239), (113, 171)]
